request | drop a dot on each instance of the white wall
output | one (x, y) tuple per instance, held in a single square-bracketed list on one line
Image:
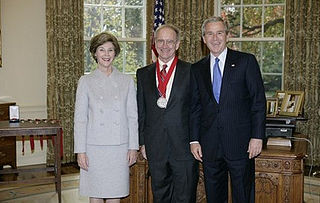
[(23, 76)]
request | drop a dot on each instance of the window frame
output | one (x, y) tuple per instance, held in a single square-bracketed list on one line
[(217, 10), (122, 39)]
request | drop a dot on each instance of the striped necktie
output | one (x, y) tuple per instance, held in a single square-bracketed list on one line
[(163, 72)]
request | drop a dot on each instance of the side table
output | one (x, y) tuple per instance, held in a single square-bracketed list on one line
[(49, 128)]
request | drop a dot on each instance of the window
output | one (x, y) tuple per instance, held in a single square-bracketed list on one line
[(257, 27), (126, 20)]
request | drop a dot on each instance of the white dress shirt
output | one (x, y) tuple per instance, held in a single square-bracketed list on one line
[(222, 61), (169, 85)]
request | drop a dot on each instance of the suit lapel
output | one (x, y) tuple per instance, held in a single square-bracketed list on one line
[(206, 75), (151, 77), (228, 66), (179, 76)]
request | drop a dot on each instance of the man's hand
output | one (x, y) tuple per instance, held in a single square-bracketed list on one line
[(255, 147), (196, 151), (143, 152), (83, 161), (132, 156)]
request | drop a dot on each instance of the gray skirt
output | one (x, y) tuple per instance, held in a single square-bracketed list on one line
[(108, 173)]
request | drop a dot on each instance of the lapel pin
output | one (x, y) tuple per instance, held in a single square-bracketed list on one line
[(233, 65)]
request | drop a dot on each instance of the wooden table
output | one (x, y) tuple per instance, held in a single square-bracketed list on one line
[(27, 128), (279, 177)]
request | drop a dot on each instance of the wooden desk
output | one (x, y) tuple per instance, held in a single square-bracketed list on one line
[(36, 128), (7, 144), (279, 177), (279, 173)]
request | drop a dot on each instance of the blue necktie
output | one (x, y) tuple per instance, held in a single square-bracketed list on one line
[(216, 80)]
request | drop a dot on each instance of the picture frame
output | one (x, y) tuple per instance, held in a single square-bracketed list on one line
[(272, 107), (292, 103), (280, 94)]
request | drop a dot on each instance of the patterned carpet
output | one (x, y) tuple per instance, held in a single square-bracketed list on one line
[(46, 193)]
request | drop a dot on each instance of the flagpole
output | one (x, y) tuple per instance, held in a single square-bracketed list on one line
[(158, 13)]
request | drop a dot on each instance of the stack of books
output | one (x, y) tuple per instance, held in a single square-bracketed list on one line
[(279, 142)]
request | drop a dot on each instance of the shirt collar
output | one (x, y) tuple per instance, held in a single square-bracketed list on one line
[(161, 63), (222, 56)]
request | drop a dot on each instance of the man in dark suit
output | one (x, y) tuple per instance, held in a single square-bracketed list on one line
[(163, 96), (227, 119)]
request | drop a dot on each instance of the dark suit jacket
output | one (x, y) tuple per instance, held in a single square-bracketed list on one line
[(164, 132), (240, 114)]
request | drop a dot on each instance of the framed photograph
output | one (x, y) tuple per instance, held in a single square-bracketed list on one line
[(292, 103), (280, 94), (272, 106)]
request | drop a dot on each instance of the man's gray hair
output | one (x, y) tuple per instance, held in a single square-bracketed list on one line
[(174, 28), (211, 20)]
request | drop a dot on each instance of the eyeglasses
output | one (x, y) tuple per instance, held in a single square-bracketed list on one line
[(161, 42)]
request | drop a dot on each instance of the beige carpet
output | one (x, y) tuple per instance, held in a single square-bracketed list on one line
[(46, 193), (311, 190), (23, 193)]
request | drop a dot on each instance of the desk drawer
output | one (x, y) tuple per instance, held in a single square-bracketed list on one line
[(7, 141), (279, 165), (8, 156), (4, 113)]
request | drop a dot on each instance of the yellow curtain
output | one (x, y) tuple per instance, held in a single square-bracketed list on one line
[(64, 19), (302, 64), (188, 16)]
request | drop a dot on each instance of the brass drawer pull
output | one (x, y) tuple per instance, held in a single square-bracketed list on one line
[(2, 154)]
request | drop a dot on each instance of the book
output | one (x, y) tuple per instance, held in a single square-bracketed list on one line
[(279, 141)]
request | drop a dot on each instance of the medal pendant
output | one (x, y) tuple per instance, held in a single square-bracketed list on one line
[(162, 102)]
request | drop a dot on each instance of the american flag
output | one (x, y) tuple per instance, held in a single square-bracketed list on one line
[(158, 20)]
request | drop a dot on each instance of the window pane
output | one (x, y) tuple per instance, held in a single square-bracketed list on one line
[(134, 22), (272, 57), (123, 18), (234, 45), (271, 83), (274, 21), (134, 2), (230, 2), (252, 1), (134, 53), (91, 21), (112, 21), (253, 48), (118, 62), (252, 22), (89, 63), (112, 2), (232, 16)]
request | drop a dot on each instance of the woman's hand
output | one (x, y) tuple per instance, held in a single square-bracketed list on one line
[(83, 161), (132, 156)]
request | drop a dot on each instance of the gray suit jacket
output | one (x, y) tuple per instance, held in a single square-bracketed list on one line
[(105, 111)]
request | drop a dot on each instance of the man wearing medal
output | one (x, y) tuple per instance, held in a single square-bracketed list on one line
[(163, 96)]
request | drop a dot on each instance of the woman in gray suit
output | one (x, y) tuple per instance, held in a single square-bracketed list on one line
[(105, 125)]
